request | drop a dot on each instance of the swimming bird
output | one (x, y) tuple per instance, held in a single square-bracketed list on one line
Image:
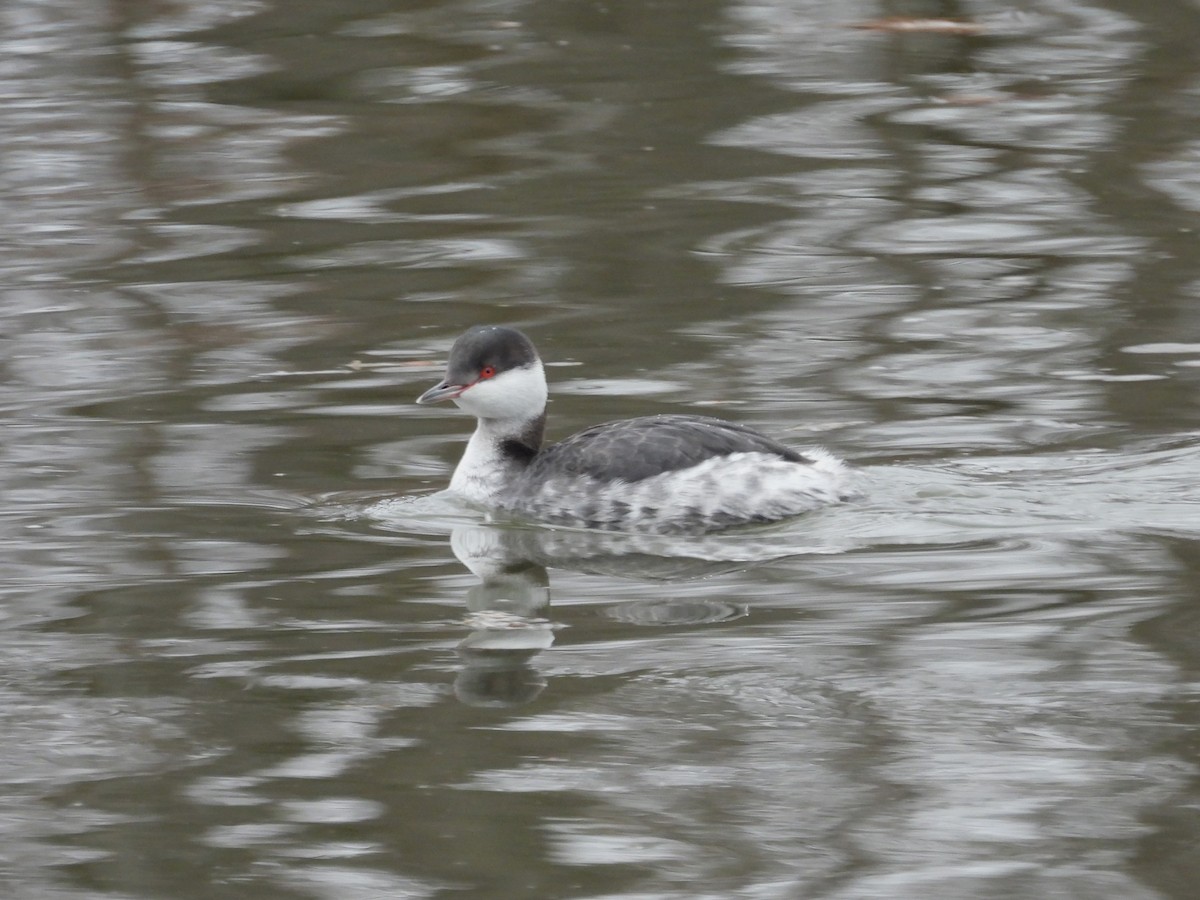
[(672, 474)]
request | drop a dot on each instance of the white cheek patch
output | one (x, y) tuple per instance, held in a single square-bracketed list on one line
[(518, 394)]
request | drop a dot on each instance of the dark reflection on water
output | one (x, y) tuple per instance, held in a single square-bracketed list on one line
[(246, 650)]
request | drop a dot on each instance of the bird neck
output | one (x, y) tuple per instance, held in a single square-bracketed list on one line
[(518, 440), (497, 451)]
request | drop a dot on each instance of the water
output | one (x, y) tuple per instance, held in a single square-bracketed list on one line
[(247, 651)]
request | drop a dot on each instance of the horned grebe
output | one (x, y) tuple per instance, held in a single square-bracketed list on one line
[(666, 474)]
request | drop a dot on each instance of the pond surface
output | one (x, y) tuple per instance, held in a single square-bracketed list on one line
[(248, 651)]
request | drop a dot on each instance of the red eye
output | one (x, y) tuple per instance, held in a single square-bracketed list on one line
[(487, 371)]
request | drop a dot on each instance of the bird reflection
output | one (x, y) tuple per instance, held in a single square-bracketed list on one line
[(508, 611)]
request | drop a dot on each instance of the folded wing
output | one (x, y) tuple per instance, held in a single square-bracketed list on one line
[(634, 449)]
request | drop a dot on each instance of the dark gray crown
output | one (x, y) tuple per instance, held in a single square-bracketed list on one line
[(488, 345)]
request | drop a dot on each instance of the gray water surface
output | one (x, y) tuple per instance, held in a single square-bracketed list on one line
[(248, 650)]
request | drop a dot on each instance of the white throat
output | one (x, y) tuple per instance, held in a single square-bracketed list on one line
[(506, 408)]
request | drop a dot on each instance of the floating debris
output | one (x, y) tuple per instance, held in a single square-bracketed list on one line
[(905, 25), (357, 365)]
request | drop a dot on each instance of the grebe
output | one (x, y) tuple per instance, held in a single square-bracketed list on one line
[(665, 474)]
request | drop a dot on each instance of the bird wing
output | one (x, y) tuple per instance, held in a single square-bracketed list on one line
[(634, 449)]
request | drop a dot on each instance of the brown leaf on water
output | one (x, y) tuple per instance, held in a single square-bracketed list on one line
[(905, 25), (357, 365)]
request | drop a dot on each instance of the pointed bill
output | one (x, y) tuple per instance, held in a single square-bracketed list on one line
[(440, 392)]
